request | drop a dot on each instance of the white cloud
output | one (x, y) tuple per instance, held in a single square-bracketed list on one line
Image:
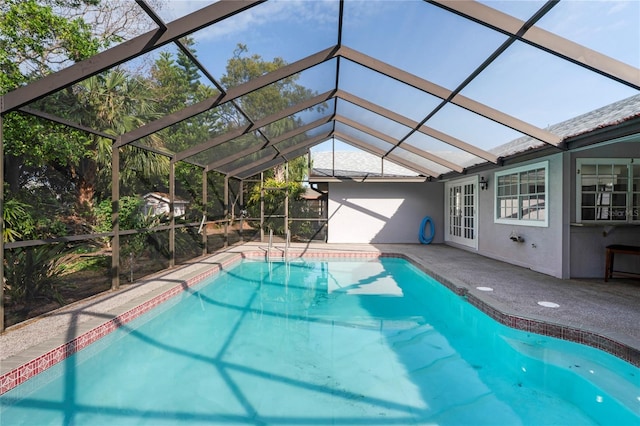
[(266, 14)]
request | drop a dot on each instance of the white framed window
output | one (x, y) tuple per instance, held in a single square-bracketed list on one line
[(521, 195), (608, 190)]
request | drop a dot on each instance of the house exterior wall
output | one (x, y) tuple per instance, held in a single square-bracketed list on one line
[(392, 212), (588, 241), (543, 248), (383, 212), (564, 249)]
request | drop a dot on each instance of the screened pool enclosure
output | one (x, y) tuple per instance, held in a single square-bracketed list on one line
[(212, 111)]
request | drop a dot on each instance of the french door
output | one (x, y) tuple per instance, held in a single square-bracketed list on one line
[(461, 218)]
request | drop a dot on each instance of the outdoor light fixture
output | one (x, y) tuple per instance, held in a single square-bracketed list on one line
[(484, 184)]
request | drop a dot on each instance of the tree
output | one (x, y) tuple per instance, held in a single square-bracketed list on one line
[(113, 102), (259, 104), (177, 84), (266, 101), (34, 41), (38, 37)]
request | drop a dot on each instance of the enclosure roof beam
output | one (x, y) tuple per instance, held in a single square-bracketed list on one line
[(394, 141), (211, 143), (391, 115), (260, 163), (125, 51), (65, 122), (233, 93), (152, 14), (252, 149), (443, 93), (299, 152), (380, 153), (309, 103), (350, 98), (545, 40), (341, 94), (73, 125)]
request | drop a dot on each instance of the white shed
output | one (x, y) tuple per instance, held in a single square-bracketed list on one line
[(157, 203)]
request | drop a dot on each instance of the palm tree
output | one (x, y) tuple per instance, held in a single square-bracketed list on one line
[(114, 103)]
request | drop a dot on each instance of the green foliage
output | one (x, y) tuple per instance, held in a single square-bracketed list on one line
[(17, 221), (34, 273), (176, 84), (258, 104), (89, 263), (41, 219), (189, 187), (130, 214), (34, 40), (273, 200), (114, 102)]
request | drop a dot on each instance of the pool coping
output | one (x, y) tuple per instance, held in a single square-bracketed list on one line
[(40, 357)]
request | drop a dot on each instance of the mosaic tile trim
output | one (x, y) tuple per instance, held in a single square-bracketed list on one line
[(563, 332), (24, 372)]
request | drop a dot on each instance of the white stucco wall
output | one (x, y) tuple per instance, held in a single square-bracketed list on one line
[(365, 212), (562, 249), (542, 249)]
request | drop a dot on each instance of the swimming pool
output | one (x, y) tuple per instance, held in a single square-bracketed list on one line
[(326, 342)]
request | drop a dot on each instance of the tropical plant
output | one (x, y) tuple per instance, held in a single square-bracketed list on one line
[(16, 220), (33, 273), (114, 103)]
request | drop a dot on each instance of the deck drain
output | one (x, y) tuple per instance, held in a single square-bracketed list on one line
[(549, 304), (484, 288)]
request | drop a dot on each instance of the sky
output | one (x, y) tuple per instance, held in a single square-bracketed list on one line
[(440, 47)]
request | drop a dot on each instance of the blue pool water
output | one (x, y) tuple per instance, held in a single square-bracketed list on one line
[(314, 343)]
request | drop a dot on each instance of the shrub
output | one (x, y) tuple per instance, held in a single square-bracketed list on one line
[(34, 273)]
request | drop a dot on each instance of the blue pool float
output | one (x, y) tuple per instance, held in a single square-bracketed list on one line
[(432, 231)]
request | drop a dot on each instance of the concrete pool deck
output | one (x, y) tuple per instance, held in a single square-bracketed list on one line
[(600, 314)]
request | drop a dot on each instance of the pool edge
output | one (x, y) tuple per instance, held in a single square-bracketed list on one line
[(27, 370)]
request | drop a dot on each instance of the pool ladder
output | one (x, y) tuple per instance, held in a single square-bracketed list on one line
[(287, 243)]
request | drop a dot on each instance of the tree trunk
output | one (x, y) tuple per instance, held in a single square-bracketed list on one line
[(12, 172), (279, 173), (86, 185)]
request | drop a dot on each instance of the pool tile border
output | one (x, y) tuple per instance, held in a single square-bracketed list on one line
[(543, 327), (43, 362)]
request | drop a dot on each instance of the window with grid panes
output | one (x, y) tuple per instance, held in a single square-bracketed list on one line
[(608, 190), (521, 195)]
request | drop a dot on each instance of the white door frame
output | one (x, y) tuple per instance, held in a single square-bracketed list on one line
[(461, 220)]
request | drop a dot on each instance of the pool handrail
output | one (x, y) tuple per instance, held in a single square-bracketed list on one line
[(287, 242)]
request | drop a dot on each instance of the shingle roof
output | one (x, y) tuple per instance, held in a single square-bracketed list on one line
[(358, 163), (354, 164), (608, 115)]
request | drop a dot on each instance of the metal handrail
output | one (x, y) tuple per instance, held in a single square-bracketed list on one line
[(286, 245)]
